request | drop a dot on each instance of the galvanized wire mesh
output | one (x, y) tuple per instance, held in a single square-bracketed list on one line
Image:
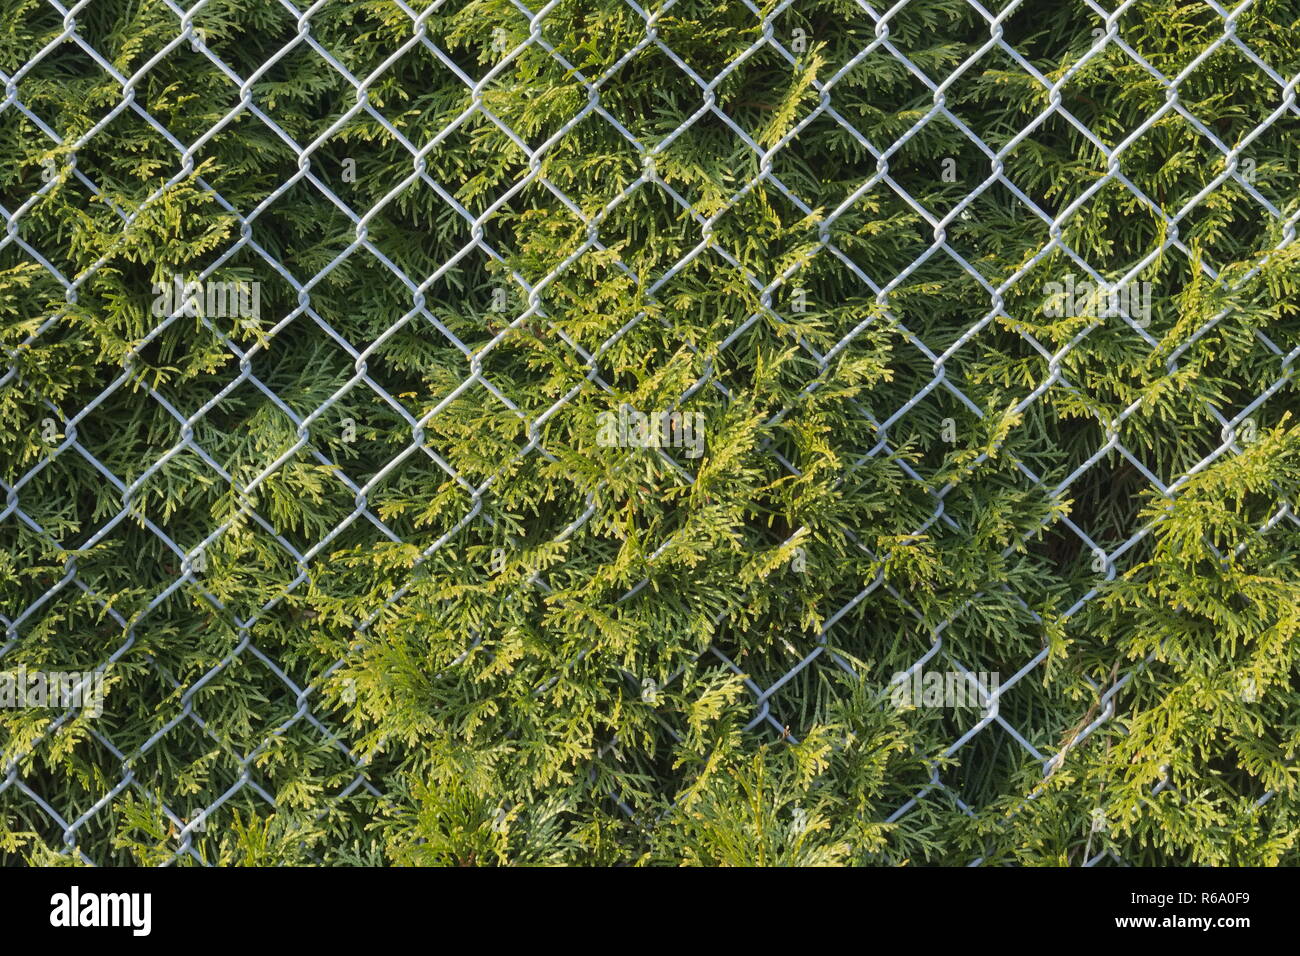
[(773, 292)]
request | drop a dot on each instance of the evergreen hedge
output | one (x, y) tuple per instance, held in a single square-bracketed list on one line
[(487, 637)]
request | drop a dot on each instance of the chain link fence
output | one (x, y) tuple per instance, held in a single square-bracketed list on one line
[(522, 302)]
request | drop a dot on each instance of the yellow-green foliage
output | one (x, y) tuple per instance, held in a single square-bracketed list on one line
[(439, 624)]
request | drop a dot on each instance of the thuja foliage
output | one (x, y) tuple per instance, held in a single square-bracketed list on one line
[(366, 587)]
